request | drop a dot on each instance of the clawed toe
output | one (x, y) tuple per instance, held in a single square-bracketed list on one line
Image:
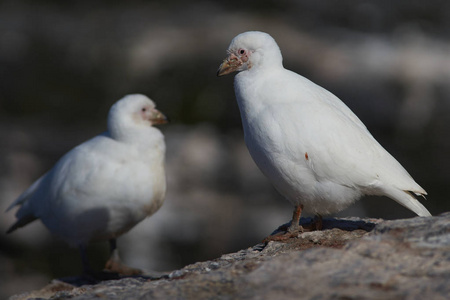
[(284, 232), (284, 235), (116, 266)]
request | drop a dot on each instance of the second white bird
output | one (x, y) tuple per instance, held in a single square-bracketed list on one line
[(105, 186)]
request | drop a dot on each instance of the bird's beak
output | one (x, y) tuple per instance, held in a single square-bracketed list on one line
[(158, 118), (229, 65)]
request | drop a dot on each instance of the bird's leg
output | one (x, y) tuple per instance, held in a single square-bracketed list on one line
[(85, 261), (115, 265), (316, 224), (89, 274), (295, 222), (292, 231)]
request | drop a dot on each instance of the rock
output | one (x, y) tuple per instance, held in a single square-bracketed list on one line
[(401, 259)]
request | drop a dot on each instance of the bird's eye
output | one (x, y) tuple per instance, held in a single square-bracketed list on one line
[(241, 51), (144, 109)]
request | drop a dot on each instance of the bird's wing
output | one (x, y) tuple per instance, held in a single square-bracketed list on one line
[(75, 177), (92, 173), (338, 144)]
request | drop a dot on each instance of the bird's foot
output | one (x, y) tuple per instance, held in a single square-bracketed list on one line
[(113, 265), (285, 234)]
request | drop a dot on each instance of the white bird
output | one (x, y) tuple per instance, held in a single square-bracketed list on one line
[(106, 185), (306, 141)]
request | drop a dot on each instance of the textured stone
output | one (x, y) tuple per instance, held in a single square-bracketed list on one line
[(401, 259)]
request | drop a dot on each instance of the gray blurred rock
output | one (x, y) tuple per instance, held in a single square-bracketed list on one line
[(401, 259)]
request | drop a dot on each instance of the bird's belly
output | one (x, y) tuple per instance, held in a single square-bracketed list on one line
[(96, 222), (295, 179), (79, 222)]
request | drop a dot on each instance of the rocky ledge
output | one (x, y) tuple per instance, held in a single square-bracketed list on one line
[(349, 259)]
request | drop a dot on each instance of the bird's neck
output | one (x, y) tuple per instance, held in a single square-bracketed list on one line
[(247, 95), (250, 88), (145, 136)]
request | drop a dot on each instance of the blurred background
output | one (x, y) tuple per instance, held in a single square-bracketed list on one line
[(63, 64)]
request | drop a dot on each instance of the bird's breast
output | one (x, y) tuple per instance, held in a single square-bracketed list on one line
[(155, 198)]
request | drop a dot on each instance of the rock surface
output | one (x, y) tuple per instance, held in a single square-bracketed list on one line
[(349, 259)]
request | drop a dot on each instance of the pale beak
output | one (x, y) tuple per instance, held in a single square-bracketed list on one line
[(229, 65), (158, 118)]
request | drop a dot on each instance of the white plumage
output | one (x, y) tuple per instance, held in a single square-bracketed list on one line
[(311, 146), (105, 186)]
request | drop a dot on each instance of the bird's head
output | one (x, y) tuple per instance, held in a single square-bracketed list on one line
[(133, 112), (251, 49)]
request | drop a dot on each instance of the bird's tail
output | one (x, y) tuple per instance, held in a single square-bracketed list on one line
[(24, 215), (408, 200), (21, 222)]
